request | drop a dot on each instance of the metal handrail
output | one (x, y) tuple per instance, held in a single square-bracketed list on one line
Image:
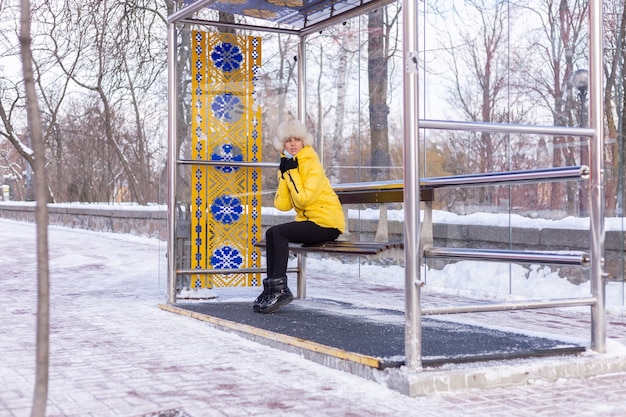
[(578, 172), (225, 271), (227, 163), (517, 305), (506, 177), (505, 128), (500, 255)]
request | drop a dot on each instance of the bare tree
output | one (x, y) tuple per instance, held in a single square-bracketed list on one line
[(482, 65), (103, 43), (559, 43), (614, 102), (380, 48), (336, 52), (116, 50), (9, 111), (40, 396)]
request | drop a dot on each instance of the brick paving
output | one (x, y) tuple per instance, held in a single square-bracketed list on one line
[(114, 353)]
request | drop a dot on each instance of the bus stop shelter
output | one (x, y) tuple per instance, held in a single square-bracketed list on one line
[(302, 19)]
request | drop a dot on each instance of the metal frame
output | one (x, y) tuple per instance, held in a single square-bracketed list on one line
[(596, 189), (414, 249)]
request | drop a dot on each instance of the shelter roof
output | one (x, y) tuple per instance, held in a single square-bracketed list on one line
[(297, 14)]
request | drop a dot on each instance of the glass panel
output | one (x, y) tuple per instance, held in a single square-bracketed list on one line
[(507, 62)]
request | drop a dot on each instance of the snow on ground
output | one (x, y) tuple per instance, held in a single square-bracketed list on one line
[(109, 339)]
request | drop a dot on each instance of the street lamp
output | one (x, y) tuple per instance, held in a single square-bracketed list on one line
[(580, 81)]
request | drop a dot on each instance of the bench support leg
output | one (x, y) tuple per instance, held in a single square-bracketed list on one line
[(426, 238), (301, 276)]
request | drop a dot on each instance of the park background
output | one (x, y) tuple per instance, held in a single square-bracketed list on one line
[(101, 78)]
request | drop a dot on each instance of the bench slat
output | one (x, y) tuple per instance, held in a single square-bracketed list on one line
[(382, 195), (342, 247)]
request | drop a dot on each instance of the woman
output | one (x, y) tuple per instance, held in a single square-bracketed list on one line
[(304, 187)]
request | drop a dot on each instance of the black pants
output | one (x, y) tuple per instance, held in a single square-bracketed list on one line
[(279, 236)]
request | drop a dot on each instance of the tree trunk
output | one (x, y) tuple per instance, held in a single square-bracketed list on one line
[(377, 83), (378, 78), (336, 145), (40, 396)]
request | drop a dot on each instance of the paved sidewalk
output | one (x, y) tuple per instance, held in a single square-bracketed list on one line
[(115, 353)]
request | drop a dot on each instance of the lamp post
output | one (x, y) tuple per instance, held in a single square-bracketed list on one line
[(580, 81)]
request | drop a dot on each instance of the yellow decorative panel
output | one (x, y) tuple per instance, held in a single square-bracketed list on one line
[(226, 126)]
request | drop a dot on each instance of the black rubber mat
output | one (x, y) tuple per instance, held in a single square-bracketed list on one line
[(383, 337)]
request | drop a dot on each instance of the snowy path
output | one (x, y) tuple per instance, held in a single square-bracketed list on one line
[(114, 353)]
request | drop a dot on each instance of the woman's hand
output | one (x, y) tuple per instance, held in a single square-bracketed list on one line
[(287, 163)]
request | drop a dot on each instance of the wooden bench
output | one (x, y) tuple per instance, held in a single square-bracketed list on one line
[(347, 247), (355, 193)]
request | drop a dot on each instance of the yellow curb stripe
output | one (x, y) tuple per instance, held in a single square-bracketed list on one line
[(288, 340)]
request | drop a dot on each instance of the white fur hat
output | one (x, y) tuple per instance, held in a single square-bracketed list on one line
[(291, 129)]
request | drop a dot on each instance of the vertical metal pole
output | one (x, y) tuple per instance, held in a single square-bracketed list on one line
[(302, 80), (301, 257), (596, 187), (172, 117), (301, 293), (412, 227)]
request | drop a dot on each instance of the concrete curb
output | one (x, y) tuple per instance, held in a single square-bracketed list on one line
[(503, 374)]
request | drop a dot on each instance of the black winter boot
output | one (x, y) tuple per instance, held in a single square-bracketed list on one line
[(256, 305), (279, 295)]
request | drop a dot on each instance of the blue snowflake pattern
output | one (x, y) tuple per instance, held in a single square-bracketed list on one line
[(227, 57), (226, 209), (227, 107), (226, 257), (227, 152)]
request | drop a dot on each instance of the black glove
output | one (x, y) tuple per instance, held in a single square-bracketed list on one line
[(287, 163)]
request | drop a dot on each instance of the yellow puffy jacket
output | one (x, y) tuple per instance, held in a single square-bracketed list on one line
[(308, 191)]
